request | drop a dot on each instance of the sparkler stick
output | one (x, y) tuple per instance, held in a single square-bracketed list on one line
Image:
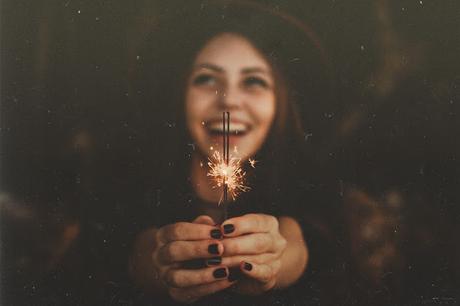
[(226, 143)]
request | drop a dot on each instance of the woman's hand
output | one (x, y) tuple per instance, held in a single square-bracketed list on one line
[(254, 243), (174, 244)]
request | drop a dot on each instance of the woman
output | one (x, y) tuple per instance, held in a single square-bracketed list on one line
[(235, 67)]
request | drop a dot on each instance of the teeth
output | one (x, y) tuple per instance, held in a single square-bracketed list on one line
[(234, 127)]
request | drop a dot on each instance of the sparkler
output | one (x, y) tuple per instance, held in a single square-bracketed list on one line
[(225, 170)]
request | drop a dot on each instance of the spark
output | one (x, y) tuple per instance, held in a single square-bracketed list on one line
[(252, 162), (232, 175)]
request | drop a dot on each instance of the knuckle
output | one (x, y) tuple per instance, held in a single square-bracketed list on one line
[(282, 243), (251, 219), (259, 259), (258, 221), (260, 243), (230, 247), (276, 267), (177, 231), (173, 279), (270, 273), (200, 218), (202, 277), (274, 221), (199, 247), (269, 285), (170, 250), (157, 237)]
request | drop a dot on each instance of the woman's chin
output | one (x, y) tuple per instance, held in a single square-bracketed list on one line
[(237, 146)]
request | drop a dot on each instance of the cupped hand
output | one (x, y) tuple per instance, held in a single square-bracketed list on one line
[(254, 244), (183, 241)]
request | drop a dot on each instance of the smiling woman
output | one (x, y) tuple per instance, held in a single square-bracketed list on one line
[(227, 63)]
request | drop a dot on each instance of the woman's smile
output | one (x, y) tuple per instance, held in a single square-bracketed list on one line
[(237, 131)]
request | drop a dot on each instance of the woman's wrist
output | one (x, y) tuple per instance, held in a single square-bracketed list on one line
[(294, 259)]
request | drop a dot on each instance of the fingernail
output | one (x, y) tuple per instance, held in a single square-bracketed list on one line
[(220, 273), (228, 228), (234, 274), (213, 249), (214, 261), (247, 266), (216, 234)]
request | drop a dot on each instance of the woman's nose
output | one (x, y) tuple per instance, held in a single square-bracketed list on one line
[(231, 98)]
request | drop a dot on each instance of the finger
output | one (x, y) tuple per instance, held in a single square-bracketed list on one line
[(235, 261), (214, 261), (250, 223), (248, 244), (264, 273), (193, 293), (182, 278), (203, 219), (187, 250), (184, 231)]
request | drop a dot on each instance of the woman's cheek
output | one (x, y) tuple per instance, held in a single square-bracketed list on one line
[(264, 110), (198, 101)]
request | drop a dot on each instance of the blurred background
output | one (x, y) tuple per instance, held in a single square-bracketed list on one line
[(71, 131)]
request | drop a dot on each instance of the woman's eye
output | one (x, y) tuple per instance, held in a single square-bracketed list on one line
[(255, 81), (204, 79)]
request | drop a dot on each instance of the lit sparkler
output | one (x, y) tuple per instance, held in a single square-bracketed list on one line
[(229, 176), (226, 171)]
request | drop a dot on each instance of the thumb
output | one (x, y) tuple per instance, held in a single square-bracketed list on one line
[(204, 219)]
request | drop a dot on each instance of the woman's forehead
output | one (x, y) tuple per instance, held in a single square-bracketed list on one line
[(231, 51)]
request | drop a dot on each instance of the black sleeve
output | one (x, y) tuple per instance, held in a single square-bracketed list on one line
[(316, 206)]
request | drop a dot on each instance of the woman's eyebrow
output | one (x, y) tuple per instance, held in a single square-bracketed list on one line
[(254, 70), (210, 66)]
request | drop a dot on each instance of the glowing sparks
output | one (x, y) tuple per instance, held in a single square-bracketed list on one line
[(232, 175), (252, 162)]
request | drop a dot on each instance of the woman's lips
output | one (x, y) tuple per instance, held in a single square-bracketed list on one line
[(231, 133), (235, 127)]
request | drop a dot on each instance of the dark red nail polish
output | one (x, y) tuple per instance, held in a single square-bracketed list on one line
[(220, 273), (247, 266), (229, 228), (213, 249), (216, 234), (214, 261)]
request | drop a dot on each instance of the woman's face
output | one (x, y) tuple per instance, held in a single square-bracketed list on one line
[(230, 74)]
